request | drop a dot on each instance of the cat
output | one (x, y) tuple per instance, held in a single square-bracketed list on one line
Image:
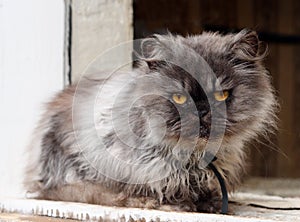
[(137, 138)]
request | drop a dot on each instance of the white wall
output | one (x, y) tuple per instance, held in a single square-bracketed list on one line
[(31, 69)]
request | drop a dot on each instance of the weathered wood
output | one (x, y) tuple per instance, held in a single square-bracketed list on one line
[(286, 166), (296, 104), (245, 14)]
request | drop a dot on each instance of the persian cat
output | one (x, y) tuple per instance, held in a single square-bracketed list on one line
[(138, 138)]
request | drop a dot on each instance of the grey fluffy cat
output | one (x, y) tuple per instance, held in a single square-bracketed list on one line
[(136, 139)]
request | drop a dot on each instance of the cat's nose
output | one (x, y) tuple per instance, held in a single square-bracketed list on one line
[(201, 113)]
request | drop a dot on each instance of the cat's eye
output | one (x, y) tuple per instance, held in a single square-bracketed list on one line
[(179, 98), (221, 95)]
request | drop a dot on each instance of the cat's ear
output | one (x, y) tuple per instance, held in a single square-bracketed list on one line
[(246, 46), (150, 46), (151, 49)]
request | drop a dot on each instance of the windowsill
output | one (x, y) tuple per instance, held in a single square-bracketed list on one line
[(251, 204)]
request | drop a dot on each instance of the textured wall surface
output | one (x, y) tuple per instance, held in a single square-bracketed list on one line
[(97, 26)]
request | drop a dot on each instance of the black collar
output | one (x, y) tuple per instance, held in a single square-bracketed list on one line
[(209, 159)]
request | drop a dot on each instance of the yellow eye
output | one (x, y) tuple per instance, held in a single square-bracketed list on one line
[(221, 95), (179, 99)]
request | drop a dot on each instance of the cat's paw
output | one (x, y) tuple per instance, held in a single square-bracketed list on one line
[(209, 205), (182, 207), (142, 202)]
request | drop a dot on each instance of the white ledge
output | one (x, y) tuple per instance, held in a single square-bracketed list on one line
[(90, 212)]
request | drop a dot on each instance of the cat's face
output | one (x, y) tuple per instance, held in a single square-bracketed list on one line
[(229, 91)]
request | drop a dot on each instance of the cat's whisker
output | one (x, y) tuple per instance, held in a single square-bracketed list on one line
[(272, 146)]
